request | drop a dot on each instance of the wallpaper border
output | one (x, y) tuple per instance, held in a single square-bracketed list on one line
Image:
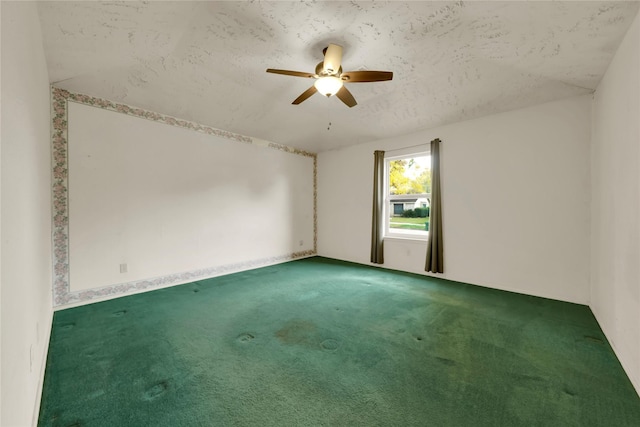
[(62, 294)]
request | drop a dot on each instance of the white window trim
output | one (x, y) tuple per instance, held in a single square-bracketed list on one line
[(400, 154)]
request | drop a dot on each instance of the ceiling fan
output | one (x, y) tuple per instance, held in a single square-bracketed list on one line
[(330, 79)]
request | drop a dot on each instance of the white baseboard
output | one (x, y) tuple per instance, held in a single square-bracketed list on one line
[(226, 271), (43, 368)]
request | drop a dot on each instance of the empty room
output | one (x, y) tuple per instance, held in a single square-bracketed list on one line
[(348, 213)]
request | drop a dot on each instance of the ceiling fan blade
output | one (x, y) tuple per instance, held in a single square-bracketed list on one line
[(332, 59), (346, 97), (291, 73), (366, 76), (306, 94)]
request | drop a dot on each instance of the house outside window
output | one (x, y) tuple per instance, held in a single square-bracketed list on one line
[(398, 209), (408, 195)]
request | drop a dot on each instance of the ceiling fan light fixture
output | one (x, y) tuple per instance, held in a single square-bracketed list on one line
[(328, 85)]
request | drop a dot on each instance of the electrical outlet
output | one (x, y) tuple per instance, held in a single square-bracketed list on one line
[(123, 268)]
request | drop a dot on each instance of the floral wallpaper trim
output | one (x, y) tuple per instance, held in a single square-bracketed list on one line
[(175, 279), (169, 120), (315, 204), (60, 198)]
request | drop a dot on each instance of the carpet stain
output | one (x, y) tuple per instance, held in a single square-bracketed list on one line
[(156, 391), (569, 392), (245, 337), (67, 326), (296, 331), (593, 339), (119, 313), (446, 361), (330, 345)]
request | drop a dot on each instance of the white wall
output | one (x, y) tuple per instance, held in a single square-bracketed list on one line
[(515, 201), (615, 227), (26, 213), (167, 200)]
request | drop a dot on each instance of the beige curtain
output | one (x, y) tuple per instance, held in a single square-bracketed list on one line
[(377, 217), (435, 260)]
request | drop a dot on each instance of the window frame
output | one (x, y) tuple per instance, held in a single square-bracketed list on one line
[(387, 209)]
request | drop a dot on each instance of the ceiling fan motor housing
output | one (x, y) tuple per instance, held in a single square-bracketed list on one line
[(320, 72)]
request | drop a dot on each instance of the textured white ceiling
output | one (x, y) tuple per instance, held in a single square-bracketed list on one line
[(206, 61)]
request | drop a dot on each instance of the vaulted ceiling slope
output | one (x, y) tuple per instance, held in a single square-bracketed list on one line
[(206, 61)]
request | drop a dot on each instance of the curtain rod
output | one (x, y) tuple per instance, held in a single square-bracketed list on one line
[(424, 144)]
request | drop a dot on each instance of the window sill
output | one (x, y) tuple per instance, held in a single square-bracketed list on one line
[(410, 239)]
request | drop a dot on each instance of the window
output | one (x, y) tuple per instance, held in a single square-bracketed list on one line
[(408, 195)]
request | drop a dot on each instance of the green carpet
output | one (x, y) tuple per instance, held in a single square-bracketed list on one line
[(319, 342)]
